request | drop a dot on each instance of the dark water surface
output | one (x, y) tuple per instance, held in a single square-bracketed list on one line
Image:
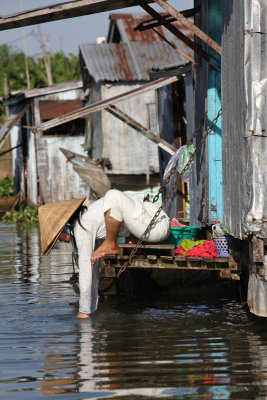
[(158, 347)]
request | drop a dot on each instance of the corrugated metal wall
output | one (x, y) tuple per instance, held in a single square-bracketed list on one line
[(129, 151), (196, 105), (233, 121), (17, 154), (58, 180), (32, 186), (244, 117), (255, 73)]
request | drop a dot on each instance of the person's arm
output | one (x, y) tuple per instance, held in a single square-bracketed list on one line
[(88, 273)]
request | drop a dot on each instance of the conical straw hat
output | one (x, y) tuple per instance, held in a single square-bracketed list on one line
[(52, 218)]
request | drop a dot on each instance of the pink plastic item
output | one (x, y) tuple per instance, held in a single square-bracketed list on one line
[(176, 224)]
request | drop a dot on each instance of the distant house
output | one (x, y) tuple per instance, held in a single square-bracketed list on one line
[(171, 99), (108, 70), (122, 29), (39, 168)]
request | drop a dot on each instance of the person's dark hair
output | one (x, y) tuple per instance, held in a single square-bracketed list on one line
[(77, 216)]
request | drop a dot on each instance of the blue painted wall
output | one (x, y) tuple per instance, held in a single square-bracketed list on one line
[(214, 104)]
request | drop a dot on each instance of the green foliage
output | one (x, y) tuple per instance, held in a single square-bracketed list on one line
[(6, 187), (26, 215), (65, 69), (12, 66)]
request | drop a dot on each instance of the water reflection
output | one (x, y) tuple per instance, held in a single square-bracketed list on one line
[(157, 347)]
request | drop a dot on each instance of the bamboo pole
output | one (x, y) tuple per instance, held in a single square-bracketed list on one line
[(46, 58), (25, 53), (6, 94)]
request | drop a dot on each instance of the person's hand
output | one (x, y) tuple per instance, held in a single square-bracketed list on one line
[(82, 315)]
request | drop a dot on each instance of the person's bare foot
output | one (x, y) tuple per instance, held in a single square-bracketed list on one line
[(82, 315), (104, 249)]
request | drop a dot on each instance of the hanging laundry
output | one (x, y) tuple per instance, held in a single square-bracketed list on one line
[(182, 155)]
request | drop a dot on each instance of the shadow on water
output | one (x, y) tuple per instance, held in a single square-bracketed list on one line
[(156, 347)]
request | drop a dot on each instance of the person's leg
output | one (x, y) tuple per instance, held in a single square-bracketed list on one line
[(109, 245)]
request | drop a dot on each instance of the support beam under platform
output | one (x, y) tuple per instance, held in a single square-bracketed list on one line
[(163, 256)]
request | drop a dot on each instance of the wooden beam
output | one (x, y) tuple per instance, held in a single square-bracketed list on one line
[(141, 129), (60, 11), (198, 32), (180, 35), (172, 71), (82, 112), (153, 23), (191, 59), (13, 122)]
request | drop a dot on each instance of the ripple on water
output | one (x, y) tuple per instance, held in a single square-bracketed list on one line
[(157, 347)]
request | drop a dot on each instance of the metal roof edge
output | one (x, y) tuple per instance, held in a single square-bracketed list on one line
[(18, 95)]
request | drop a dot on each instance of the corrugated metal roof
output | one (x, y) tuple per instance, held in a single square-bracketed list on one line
[(127, 22), (127, 61), (55, 108), (29, 93)]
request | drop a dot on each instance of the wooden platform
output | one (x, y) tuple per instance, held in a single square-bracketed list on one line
[(164, 257)]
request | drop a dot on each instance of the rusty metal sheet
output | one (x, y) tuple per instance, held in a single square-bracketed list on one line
[(125, 23), (18, 95), (257, 299), (55, 108), (133, 61)]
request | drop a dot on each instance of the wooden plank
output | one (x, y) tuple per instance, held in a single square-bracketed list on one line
[(163, 21), (110, 272), (60, 11), (147, 246), (225, 274), (7, 127), (216, 260), (198, 32), (180, 258), (154, 23), (141, 129), (168, 262), (82, 112), (110, 257), (167, 258)]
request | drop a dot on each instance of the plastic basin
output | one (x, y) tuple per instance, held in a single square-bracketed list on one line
[(177, 235)]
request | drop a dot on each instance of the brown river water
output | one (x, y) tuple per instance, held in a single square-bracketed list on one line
[(157, 347)]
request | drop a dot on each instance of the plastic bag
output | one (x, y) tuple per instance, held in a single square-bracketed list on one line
[(183, 160), (182, 155)]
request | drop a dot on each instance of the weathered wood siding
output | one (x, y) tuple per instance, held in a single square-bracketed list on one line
[(31, 176), (128, 151), (57, 178)]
